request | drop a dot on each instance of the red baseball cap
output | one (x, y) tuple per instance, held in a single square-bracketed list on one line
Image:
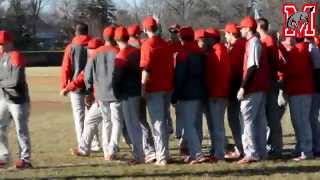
[(232, 28), (200, 33), (134, 30), (248, 22), (5, 37), (120, 33), (149, 23), (213, 33), (95, 43), (109, 32), (186, 31)]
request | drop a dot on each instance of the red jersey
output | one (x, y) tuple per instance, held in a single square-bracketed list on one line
[(218, 71), (298, 71), (157, 59), (256, 55)]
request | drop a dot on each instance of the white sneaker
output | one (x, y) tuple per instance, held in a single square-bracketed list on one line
[(302, 157), (95, 148), (150, 158), (161, 163)]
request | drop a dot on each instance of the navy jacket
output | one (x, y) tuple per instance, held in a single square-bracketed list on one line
[(190, 74), (127, 74)]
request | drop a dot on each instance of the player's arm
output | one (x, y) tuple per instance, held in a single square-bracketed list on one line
[(253, 64), (77, 83), (145, 63), (66, 67), (88, 74)]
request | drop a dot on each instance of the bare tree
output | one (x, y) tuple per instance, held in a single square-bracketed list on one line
[(65, 13), (35, 7), (181, 8), (124, 17), (97, 13)]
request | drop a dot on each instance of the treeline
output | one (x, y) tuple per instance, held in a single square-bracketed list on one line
[(48, 24)]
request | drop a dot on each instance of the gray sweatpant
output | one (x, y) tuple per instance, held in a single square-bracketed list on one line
[(91, 125), (111, 116), (78, 110), (315, 122), (148, 144), (254, 123), (217, 107), (112, 126), (158, 104), (300, 108), (233, 111), (274, 114), (131, 108), (20, 115), (180, 134), (189, 118)]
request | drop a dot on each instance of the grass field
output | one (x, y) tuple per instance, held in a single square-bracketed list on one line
[(53, 135)]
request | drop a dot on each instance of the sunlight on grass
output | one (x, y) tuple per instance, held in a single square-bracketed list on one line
[(53, 135)]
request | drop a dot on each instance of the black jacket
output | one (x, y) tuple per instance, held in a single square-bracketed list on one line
[(190, 74), (127, 74)]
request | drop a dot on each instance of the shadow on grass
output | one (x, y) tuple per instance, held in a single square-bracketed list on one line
[(265, 171)]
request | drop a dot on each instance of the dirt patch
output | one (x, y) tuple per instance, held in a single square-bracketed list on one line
[(45, 80), (49, 106)]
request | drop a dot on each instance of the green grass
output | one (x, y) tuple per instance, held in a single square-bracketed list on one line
[(53, 135)]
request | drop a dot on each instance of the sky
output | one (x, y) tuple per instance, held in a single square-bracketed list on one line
[(121, 4), (118, 3)]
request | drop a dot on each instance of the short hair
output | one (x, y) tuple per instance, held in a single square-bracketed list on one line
[(123, 39), (82, 28), (253, 30), (236, 35), (111, 40), (264, 24), (153, 29)]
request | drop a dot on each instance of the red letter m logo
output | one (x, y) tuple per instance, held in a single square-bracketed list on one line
[(299, 23)]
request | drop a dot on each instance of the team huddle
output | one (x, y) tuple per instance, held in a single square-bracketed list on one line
[(114, 82)]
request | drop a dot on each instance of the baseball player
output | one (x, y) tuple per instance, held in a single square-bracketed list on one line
[(157, 77), (315, 107), (299, 86), (190, 92), (127, 88), (199, 36), (134, 32), (252, 94), (174, 42), (274, 112), (175, 46), (74, 61), (236, 49), (93, 111), (218, 77), (102, 67), (14, 102)]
